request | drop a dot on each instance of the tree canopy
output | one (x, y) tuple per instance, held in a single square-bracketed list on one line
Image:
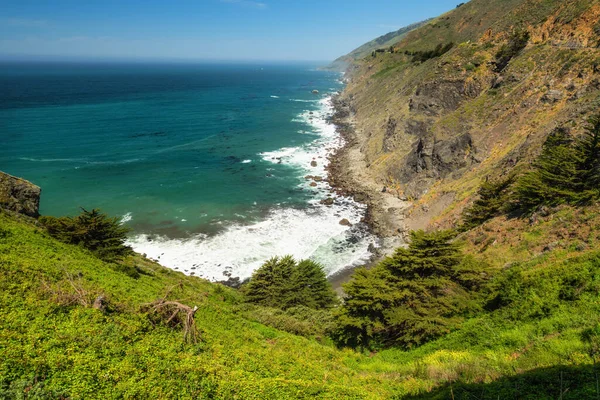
[(285, 283), (412, 297), (103, 235)]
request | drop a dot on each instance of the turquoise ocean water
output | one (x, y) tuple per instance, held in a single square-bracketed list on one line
[(205, 163)]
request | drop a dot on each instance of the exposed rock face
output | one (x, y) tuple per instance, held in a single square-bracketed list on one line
[(433, 159), (435, 98), (19, 195)]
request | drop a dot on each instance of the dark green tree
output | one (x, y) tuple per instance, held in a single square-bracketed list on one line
[(284, 283), (492, 197), (588, 147), (103, 235), (270, 285), (414, 296), (556, 175), (311, 288)]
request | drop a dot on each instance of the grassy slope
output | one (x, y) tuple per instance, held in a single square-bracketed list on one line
[(81, 352)]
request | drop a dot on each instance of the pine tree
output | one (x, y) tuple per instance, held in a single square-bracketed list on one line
[(101, 234), (360, 321), (270, 284), (311, 287)]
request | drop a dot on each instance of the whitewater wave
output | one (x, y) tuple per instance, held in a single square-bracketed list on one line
[(304, 101), (126, 218), (314, 232)]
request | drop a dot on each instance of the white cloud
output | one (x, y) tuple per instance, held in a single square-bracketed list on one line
[(247, 3), (23, 22)]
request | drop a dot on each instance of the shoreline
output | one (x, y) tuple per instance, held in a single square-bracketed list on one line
[(349, 175), (327, 228)]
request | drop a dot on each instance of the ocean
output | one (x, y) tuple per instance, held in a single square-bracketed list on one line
[(206, 163)]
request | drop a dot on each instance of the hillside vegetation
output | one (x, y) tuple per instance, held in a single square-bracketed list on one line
[(383, 42), (536, 325)]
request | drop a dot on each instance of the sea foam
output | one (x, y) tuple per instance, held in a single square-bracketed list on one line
[(312, 232)]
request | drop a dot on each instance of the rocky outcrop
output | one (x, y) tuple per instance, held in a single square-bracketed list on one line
[(432, 160), (438, 97), (19, 195)]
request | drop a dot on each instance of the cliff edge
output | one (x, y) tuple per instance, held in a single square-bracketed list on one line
[(19, 195)]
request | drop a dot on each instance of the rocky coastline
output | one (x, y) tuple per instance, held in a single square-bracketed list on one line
[(349, 175)]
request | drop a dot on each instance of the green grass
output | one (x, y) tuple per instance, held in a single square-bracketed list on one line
[(55, 348)]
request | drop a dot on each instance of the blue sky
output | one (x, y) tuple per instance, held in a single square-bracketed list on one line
[(202, 29)]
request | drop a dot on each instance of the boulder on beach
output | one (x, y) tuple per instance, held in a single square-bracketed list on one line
[(313, 163), (345, 222), (313, 184), (315, 92), (317, 178), (328, 201), (308, 177)]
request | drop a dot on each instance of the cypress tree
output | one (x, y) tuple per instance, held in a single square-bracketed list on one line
[(103, 235), (415, 295), (490, 203), (555, 178), (588, 147), (311, 287), (270, 284), (284, 283)]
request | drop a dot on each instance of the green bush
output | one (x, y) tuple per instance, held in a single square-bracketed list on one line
[(410, 298), (284, 283), (95, 231), (422, 56)]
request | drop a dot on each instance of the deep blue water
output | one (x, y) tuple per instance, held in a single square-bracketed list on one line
[(163, 142)]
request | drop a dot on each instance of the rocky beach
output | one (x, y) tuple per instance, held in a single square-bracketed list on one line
[(350, 175)]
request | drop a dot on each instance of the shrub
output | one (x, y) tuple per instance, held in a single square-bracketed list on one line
[(422, 56), (516, 42), (284, 283), (95, 231)]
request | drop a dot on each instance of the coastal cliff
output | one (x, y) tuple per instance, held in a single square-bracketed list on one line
[(19, 195), (469, 96)]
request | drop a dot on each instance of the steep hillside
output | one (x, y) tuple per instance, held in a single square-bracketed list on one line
[(382, 42), (430, 126)]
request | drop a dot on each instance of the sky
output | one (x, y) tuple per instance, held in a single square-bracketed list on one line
[(286, 30)]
